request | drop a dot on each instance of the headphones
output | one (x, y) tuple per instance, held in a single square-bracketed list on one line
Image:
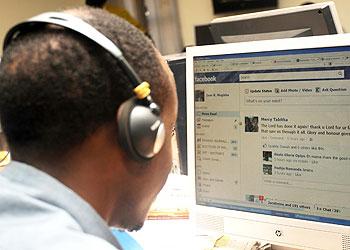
[(141, 130)]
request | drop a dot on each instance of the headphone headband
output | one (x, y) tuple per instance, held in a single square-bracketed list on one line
[(78, 25), (140, 128)]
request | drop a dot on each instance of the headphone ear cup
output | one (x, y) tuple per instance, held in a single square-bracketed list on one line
[(141, 132)]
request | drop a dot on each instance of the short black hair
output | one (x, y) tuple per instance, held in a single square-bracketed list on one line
[(57, 87)]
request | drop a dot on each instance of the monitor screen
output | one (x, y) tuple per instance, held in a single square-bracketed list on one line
[(272, 131)]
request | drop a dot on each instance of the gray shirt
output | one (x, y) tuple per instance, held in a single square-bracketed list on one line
[(39, 212)]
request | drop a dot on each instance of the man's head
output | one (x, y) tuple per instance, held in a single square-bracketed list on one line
[(59, 96)]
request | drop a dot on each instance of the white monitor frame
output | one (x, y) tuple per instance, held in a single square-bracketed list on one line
[(279, 230)]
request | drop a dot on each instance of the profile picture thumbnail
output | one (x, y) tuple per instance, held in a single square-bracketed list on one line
[(267, 169), (199, 95), (250, 197), (251, 124), (267, 155)]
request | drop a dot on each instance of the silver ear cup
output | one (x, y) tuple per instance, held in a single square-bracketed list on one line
[(140, 131), (160, 138)]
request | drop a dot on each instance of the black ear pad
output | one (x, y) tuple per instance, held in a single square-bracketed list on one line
[(141, 131)]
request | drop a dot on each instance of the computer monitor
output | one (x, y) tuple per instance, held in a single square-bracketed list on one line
[(269, 140), (203, 35), (177, 64), (307, 20)]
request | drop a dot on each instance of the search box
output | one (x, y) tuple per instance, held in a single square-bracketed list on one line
[(300, 75)]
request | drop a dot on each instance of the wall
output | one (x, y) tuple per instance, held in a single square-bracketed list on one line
[(194, 12), (191, 13), (14, 11)]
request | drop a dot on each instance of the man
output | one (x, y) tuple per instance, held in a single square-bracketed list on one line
[(60, 95)]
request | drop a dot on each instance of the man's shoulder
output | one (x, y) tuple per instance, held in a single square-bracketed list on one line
[(78, 240), (55, 240), (28, 222), (34, 226)]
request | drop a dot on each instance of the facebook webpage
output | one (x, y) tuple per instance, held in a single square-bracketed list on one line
[(272, 133)]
